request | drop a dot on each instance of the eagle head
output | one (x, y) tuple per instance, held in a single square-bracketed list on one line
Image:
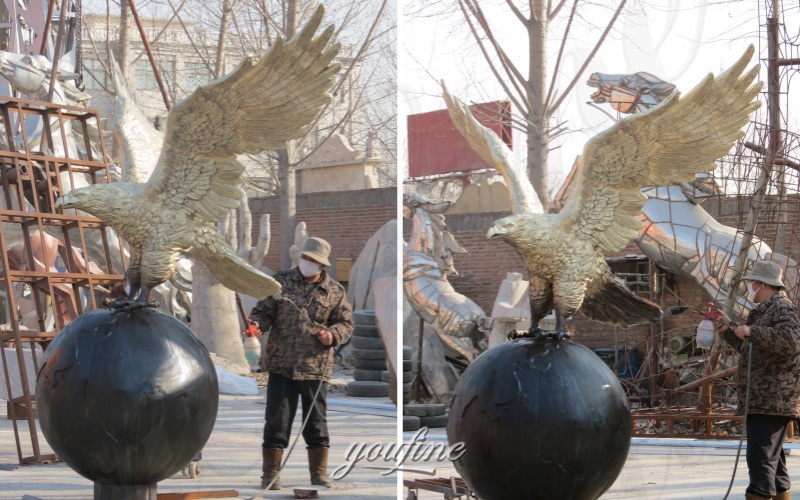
[(520, 228), (503, 228), (97, 199)]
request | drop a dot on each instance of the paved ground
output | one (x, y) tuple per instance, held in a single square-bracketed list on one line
[(232, 461), (657, 472), (232, 457)]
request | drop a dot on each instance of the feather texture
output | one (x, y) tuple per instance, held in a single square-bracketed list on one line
[(258, 107), (196, 182), (672, 142)]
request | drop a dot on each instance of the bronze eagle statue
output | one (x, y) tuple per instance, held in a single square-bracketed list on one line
[(671, 142), (258, 107)]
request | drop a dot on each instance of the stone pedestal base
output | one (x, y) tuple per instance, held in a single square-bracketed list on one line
[(124, 492)]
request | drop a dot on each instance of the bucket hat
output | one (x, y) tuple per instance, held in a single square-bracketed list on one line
[(766, 272), (318, 249)]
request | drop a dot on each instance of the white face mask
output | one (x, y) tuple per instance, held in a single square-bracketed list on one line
[(308, 268), (751, 292)]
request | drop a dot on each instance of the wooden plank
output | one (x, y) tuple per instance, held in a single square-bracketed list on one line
[(188, 495)]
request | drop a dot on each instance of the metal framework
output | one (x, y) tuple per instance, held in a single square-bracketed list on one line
[(30, 183), (760, 196)]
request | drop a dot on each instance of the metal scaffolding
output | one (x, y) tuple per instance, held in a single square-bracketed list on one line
[(30, 182)]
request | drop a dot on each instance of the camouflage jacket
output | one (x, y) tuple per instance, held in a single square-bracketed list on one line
[(775, 374), (293, 349)]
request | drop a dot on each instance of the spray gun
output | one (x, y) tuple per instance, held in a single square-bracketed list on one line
[(711, 315)]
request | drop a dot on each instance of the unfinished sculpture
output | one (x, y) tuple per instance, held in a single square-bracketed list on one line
[(30, 75), (427, 262), (564, 251), (45, 248), (216, 319), (141, 141), (677, 233), (258, 107), (300, 237)]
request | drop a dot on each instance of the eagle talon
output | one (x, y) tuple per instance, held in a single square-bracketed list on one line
[(533, 333), (539, 334), (557, 335), (124, 304)]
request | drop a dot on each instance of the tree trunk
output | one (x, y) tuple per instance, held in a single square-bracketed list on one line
[(538, 120), (215, 319), (124, 38), (287, 176), (219, 68), (286, 171)]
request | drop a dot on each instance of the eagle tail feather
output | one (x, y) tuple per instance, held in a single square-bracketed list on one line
[(234, 272), (614, 303)]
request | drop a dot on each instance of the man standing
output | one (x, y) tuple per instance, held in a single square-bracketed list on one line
[(311, 317), (773, 328)]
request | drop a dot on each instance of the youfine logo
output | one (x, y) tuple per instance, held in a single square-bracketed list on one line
[(417, 450)]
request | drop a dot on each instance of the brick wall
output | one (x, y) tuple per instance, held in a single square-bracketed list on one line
[(487, 262), (346, 219)]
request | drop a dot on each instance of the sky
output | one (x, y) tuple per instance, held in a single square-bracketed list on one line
[(678, 41)]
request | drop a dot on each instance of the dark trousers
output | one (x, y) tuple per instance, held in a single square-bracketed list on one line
[(282, 394), (765, 458)]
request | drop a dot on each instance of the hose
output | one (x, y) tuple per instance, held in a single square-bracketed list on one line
[(746, 405), (308, 416)]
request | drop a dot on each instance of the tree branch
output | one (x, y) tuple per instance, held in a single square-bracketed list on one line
[(588, 59), (550, 88), (191, 41), (551, 14), (516, 79), (514, 99), (338, 87), (524, 20), (163, 30)]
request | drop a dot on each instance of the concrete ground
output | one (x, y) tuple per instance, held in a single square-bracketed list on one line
[(657, 470), (232, 456)]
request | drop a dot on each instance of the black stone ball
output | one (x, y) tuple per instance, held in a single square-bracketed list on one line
[(540, 419), (127, 398)]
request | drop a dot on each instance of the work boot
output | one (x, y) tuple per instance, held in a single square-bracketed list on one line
[(318, 466), (271, 467), (783, 495)]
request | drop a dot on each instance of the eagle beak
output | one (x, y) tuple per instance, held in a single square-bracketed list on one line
[(61, 203), (492, 232)]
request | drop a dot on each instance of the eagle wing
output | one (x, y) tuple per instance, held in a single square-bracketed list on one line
[(140, 139), (495, 153), (256, 108), (671, 142)]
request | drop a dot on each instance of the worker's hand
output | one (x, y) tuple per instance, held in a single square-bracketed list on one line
[(325, 337), (742, 331), (722, 325), (253, 329)]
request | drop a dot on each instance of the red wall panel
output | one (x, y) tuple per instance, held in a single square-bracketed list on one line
[(435, 147)]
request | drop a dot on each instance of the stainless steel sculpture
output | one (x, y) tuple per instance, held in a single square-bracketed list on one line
[(671, 142), (677, 233), (141, 141), (427, 262), (258, 107), (629, 93), (30, 75)]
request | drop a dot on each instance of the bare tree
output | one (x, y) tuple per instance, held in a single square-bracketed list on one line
[(222, 34), (526, 83)]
